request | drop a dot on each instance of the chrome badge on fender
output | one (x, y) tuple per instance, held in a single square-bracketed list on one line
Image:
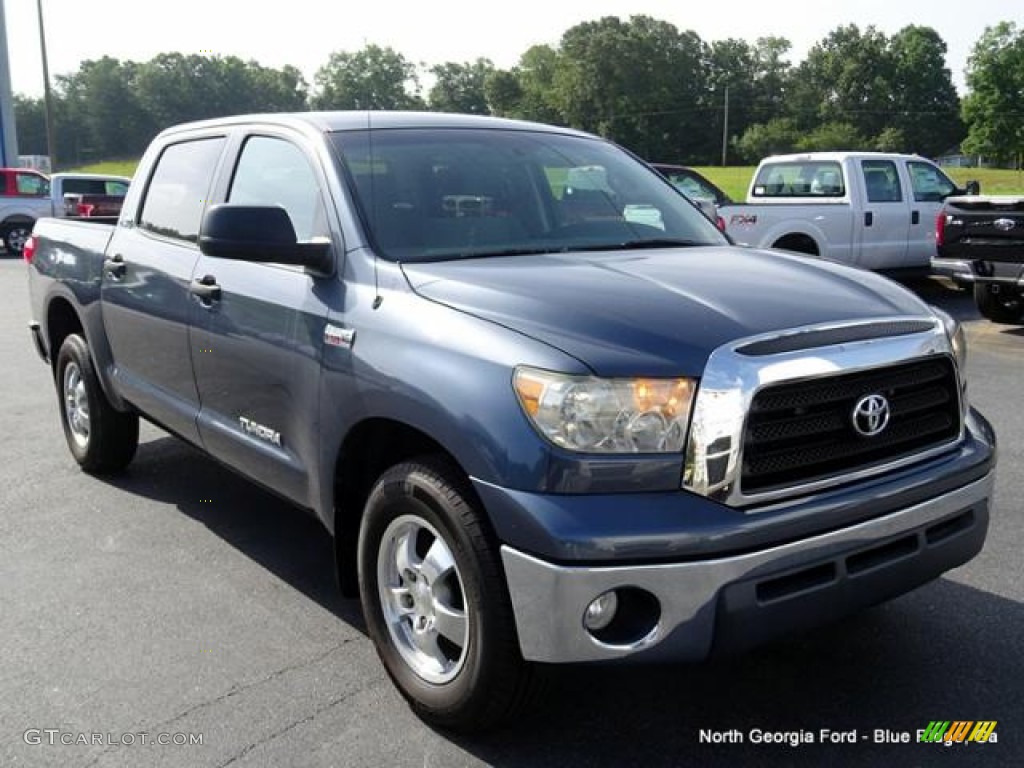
[(260, 431)]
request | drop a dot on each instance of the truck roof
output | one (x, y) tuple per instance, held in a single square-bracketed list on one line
[(326, 122), (90, 177), (839, 156)]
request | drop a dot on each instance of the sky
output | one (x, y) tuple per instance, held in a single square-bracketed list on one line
[(305, 32)]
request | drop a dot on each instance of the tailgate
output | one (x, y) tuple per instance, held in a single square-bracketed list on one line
[(988, 229)]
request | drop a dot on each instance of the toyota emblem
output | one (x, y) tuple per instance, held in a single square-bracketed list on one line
[(1004, 225), (871, 415)]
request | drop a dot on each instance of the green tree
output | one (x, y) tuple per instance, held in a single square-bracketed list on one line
[(772, 76), (994, 108), (639, 82), (175, 88), (926, 108), (101, 114), (504, 93), (831, 136), (730, 64), (461, 87), (372, 78), (846, 78), (537, 70), (775, 137), (30, 123)]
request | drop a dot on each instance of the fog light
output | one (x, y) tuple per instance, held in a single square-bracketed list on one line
[(599, 614)]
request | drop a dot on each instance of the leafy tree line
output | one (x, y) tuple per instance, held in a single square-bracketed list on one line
[(664, 93)]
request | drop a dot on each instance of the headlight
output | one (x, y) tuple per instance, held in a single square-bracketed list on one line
[(592, 415)]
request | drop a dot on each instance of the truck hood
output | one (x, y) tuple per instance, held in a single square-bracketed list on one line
[(657, 312)]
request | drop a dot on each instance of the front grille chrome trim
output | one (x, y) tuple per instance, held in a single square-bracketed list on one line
[(731, 379)]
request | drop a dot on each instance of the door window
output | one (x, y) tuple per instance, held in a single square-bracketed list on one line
[(881, 181), (930, 184), (31, 185), (276, 172), (178, 189)]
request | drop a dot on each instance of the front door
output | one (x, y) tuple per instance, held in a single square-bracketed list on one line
[(930, 188), (258, 337)]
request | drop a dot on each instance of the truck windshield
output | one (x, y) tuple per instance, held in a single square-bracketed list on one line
[(435, 194)]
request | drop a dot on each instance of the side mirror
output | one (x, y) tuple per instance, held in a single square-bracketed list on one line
[(261, 233), (973, 187)]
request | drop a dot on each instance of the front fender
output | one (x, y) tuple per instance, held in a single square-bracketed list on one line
[(441, 372)]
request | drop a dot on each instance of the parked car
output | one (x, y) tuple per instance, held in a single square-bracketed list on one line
[(691, 183), (697, 188), (547, 411), (867, 209), (980, 242), (27, 195)]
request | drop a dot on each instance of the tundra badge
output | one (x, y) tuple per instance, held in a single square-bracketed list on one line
[(260, 431)]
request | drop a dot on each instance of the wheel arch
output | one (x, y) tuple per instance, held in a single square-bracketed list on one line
[(368, 449), (62, 320), (798, 242)]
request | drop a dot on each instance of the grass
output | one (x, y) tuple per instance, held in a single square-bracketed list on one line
[(111, 167), (994, 181), (734, 180)]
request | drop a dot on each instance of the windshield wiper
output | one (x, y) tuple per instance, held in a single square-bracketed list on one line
[(458, 255)]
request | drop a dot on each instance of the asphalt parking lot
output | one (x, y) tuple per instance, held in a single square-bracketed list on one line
[(178, 599)]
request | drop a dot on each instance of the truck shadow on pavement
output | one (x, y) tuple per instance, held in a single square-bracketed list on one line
[(288, 542), (945, 651)]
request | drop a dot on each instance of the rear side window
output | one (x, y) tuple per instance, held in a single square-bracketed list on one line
[(881, 181), (95, 187), (800, 179), (178, 188)]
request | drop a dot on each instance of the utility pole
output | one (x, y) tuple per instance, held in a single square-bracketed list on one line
[(51, 145), (725, 127)]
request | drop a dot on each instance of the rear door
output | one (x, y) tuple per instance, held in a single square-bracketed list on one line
[(145, 289), (258, 338), (885, 221)]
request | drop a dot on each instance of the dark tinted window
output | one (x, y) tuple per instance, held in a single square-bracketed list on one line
[(881, 181), (95, 187), (276, 172), (810, 178), (458, 193), (178, 189)]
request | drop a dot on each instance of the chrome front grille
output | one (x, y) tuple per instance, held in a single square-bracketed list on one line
[(773, 414), (803, 431)]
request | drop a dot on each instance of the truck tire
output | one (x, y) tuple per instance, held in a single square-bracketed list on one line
[(15, 237), (1005, 306), (100, 438), (435, 601)]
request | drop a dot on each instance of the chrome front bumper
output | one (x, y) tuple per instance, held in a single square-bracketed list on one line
[(816, 579)]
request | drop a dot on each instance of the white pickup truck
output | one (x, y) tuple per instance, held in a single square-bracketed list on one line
[(868, 209)]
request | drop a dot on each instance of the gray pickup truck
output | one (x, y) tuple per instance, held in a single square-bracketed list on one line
[(544, 421)]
